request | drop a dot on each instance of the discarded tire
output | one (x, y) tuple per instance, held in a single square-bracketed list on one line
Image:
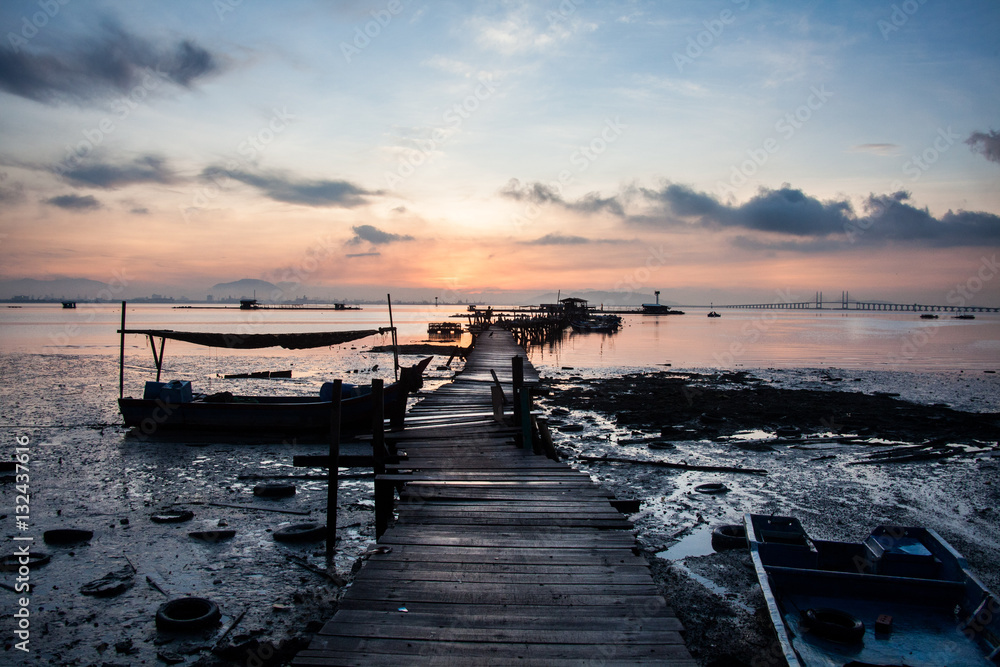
[(172, 516), (712, 487), (187, 614), (301, 532), (833, 624), (66, 535), (13, 562), (729, 536), (212, 535), (274, 490)]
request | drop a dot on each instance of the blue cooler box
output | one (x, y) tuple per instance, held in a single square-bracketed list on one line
[(176, 391)]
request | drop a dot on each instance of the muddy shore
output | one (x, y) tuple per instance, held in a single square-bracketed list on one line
[(87, 473), (842, 461)]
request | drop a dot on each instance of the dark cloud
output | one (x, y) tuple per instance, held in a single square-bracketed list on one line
[(375, 236), (10, 193), (785, 218), (145, 169), (566, 239), (109, 64), (540, 193), (281, 186), (75, 202), (558, 239), (363, 254), (986, 143), (876, 149), (139, 210)]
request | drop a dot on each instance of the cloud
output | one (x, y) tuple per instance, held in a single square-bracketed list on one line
[(75, 202), (281, 186), (540, 193), (139, 210), (144, 169), (375, 236), (10, 193), (107, 65), (785, 218), (558, 239), (876, 149), (363, 254), (986, 143), (567, 239)]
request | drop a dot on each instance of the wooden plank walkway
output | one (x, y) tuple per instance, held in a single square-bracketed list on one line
[(498, 556)]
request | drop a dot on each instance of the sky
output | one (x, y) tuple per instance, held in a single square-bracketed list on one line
[(714, 150)]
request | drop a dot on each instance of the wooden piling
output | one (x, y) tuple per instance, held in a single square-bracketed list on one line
[(332, 478)]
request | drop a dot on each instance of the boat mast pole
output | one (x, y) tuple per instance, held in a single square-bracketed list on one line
[(395, 341), (121, 358)]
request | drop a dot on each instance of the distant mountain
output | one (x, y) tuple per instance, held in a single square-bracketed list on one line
[(56, 288), (245, 289)]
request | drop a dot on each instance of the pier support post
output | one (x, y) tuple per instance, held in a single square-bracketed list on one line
[(332, 479), (383, 489), (517, 382)]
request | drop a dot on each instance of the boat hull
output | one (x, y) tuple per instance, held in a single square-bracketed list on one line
[(901, 585), (252, 414)]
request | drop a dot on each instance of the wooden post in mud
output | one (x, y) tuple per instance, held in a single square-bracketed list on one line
[(332, 480), (121, 358), (517, 381), (383, 489)]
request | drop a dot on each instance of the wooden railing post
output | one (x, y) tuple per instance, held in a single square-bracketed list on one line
[(517, 380), (333, 473), (383, 489)]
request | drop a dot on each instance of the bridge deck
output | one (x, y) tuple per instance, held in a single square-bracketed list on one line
[(497, 555)]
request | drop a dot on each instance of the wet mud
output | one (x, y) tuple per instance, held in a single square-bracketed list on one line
[(826, 427)]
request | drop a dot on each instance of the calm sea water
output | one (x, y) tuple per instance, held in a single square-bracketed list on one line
[(738, 339)]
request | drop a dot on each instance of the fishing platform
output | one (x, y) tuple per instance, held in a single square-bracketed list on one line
[(498, 554)]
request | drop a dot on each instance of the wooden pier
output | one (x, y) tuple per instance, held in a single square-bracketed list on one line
[(498, 555)]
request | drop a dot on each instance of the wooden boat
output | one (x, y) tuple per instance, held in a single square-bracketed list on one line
[(904, 596), (598, 323), (176, 406)]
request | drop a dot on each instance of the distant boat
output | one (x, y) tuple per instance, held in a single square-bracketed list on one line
[(713, 313), (902, 596), (598, 324), (69, 304), (928, 316), (964, 316)]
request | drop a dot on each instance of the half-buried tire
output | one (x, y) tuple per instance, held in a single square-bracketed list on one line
[(729, 536), (187, 615), (301, 532)]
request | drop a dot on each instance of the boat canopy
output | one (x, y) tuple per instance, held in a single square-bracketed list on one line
[(290, 341)]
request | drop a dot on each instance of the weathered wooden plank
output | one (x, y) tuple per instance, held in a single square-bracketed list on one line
[(529, 621), (510, 651), (497, 556)]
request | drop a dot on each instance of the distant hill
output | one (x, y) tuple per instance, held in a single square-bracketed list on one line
[(56, 288), (245, 289)]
